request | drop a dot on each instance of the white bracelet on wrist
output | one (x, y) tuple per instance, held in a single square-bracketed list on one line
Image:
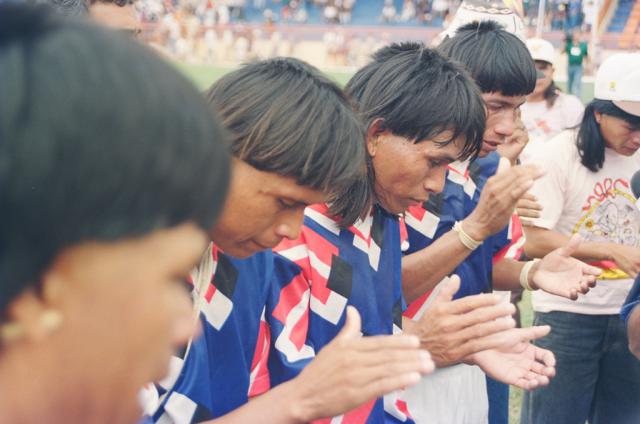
[(524, 274), (468, 242)]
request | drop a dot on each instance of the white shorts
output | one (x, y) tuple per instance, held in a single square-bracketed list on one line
[(452, 395)]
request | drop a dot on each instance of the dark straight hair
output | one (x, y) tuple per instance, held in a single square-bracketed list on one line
[(497, 60), (551, 94), (100, 140), (419, 93), (285, 117), (590, 142)]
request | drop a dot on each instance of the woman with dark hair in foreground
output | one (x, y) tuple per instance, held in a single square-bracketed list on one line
[(102, 147)]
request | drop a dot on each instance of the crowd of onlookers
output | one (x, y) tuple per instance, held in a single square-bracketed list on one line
[(561, 15), (429, 12), (189, 42), (424, 12), (197, 30)]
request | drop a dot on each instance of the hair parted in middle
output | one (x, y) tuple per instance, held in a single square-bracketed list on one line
[(285, 117), (498, 60), (419, 93), (590, 142)]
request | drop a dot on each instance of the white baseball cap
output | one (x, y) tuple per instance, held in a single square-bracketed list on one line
[(618, 80), (541, 50)]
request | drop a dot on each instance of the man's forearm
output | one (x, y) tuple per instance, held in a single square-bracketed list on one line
[(424, 269), (506, 274), (278, 405), (541, 241)]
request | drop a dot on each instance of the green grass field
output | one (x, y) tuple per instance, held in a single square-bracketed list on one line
[(204, 75)]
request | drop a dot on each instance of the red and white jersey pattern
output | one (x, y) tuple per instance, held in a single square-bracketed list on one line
[(317, 276)]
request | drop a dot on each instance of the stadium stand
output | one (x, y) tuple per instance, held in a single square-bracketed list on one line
[(630, 37)]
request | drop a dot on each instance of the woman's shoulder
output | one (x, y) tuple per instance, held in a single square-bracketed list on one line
[(563, 142), (570, 99), (558, 151)]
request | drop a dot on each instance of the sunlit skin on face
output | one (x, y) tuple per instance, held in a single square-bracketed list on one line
[(618, 134), (125, 311), (261, 209), (501, 119), (407, 172)]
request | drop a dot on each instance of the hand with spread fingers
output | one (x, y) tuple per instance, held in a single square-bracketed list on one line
[(451, 329), (524, 365), (352, 370), (498, 199), (560, 274)]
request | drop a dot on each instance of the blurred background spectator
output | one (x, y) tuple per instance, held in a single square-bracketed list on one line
[(342, 33)]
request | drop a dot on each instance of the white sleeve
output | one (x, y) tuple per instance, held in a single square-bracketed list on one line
[(573, 110), (550, 188)]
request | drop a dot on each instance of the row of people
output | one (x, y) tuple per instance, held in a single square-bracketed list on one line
[(281, 319), (336, 260)]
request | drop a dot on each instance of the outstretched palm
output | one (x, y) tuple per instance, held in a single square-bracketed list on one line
[(525, 365), (560, 274)]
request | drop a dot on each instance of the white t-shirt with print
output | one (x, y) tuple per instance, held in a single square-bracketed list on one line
[(544, 123), (599, 206)]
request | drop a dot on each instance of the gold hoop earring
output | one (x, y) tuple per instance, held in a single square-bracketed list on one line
[(11, 332), (49, 321)]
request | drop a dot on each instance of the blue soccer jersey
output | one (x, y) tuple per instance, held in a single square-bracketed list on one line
[(317, 276), (226, 364)]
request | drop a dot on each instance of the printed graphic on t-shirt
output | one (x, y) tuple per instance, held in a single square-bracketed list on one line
[(541, 129), (610, 215)]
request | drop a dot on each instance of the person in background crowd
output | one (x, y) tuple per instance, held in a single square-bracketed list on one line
[(577, 56), (106, 194), (586, 191), (548, 111), (388, 14)]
